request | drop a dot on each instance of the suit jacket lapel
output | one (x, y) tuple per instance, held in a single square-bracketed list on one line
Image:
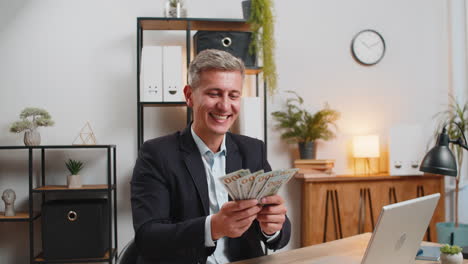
[(194, 163), (233, 157)]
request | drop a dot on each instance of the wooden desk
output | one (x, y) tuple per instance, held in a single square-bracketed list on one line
[(343, 206), (341, 251)]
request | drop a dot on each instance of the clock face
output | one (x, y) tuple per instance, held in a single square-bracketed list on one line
[(368, 47)]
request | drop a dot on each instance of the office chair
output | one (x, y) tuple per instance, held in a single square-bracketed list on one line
[(129, 254)]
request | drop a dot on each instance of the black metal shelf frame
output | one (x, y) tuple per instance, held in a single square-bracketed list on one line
[(184, 24), (113, 187), (111, 191)]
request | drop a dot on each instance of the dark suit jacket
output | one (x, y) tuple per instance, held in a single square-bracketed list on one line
[(169, 195)]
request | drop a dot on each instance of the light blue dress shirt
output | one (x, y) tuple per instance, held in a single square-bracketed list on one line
[(215, 167)]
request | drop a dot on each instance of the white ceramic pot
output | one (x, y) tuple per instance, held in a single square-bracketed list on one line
[(175, 11), (74, 181), (451, 259), (32, 138)]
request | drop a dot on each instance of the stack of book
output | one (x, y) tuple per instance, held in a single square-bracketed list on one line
[(319, 167)]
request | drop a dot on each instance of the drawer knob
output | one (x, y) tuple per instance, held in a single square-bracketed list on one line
[(72, 216)]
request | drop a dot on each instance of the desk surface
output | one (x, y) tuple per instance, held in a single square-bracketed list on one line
[(338, 251)]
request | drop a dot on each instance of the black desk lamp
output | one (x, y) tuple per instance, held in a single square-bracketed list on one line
[(440, 160)]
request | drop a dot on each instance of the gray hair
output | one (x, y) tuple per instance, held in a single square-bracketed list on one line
[(210, 59)]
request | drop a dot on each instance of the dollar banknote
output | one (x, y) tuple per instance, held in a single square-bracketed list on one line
[(229, 182), (259, 183), (244, 184), (275, 182)]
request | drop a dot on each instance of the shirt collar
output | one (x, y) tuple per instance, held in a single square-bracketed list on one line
[(202, 146)]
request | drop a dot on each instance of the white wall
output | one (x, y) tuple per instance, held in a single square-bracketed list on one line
[(77, 59)]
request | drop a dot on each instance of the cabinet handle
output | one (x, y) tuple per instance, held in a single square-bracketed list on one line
[(72, 216)]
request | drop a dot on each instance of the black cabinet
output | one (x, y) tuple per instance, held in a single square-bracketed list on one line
[(39, 192)]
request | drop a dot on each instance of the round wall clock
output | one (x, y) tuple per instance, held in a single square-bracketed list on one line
[(368, 47)]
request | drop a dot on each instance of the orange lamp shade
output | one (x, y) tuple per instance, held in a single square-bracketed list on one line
[(366, 146)]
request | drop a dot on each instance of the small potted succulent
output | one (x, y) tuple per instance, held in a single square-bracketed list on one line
[(74, 180), (451, 254), (305, 128), (31, 119)]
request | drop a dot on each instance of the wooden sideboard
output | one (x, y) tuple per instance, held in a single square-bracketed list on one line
[(342, 206)]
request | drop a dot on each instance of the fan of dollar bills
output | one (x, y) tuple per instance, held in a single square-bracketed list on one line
[(243, 185)]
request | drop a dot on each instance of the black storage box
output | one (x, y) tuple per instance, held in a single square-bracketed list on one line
[(236, 43), (74, 229)]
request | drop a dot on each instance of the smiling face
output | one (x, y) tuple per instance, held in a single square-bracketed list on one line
[(215, 103)]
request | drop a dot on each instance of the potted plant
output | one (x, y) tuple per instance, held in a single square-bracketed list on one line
[(455, 119), (451, 254), (31, 119), (305, 128), (262, 20), (74, 180), (175, 8)]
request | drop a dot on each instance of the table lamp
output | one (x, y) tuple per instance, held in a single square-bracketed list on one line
[(365, 147)]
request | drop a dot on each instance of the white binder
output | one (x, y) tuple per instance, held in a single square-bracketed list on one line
[(172, 74), (251, 117), (151, 86)]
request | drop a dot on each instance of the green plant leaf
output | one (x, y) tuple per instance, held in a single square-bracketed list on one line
[(452, 250), (262, 22), (301, 126), (455, 113), (74, 166), (31, 118)]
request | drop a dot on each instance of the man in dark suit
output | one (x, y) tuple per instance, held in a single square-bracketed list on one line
[(181, 212)]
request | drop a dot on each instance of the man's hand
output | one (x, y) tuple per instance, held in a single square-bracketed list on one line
[(272, 215), (234, 218)]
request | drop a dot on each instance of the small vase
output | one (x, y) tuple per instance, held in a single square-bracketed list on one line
[(307, 150), (451, 258), (74, 181), (32, 138)]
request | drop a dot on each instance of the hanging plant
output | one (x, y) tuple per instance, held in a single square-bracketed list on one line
[(263, 42)]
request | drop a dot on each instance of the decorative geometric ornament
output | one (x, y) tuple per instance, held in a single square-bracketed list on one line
[(86, 136)]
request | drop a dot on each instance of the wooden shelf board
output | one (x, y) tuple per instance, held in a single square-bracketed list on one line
[(253, 71), (18, 216), (220, 26), (163, 104), (106, 257), (65, 188), (58, 147), (311, 161), (195, 24)]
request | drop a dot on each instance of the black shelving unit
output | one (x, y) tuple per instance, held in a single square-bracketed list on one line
[(188, 25), (110, 189)]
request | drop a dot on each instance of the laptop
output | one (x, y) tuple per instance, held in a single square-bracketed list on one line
[(400, 230)]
